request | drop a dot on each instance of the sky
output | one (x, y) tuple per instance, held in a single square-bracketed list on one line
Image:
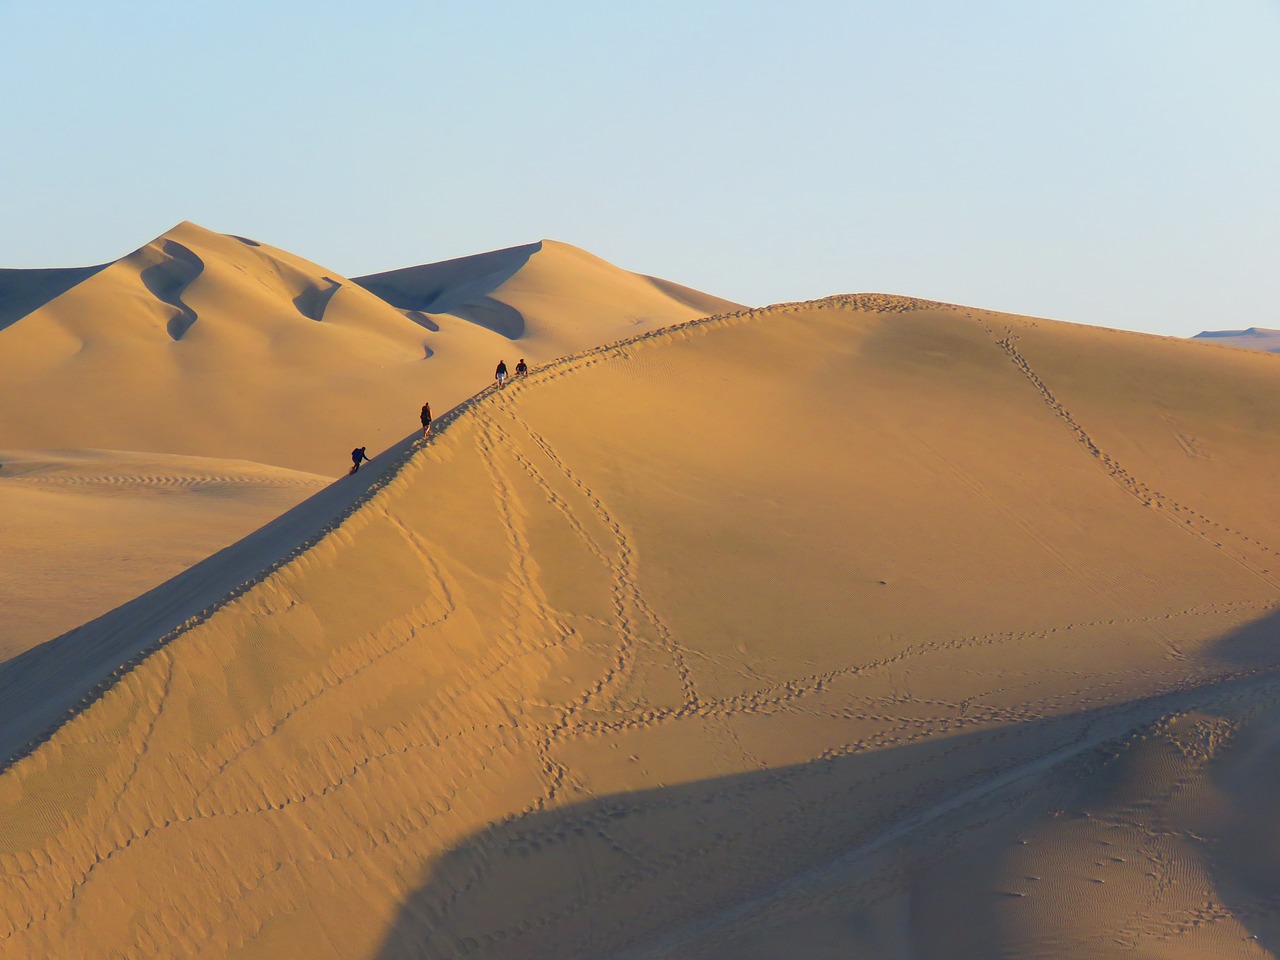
[(1112, 162)]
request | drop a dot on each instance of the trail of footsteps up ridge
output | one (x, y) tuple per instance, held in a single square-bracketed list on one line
[(120, 662), (1183, 517), (366, 652), (627, 595)]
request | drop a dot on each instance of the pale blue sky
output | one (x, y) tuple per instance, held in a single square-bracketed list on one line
[(1114, 162)]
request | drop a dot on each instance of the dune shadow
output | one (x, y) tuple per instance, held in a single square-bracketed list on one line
[(636, 874), (43, 687), (1253, 646), (442, 287), (422, 320), (25, 291), (1246, 856), (493, 315), (1094, 801), (314, 298), (167, 279), (459, 287)]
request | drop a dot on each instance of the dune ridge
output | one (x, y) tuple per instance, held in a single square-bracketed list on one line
[(87, 530), (56, 681), (23, 291), (256, 354), (224, 350), (617, 651)]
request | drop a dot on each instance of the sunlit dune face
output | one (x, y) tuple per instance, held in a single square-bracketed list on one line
[(869, 626)]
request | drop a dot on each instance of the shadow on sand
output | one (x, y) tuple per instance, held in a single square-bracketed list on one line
[(23, 291), (639, 874), (44, 686), (167, 279)]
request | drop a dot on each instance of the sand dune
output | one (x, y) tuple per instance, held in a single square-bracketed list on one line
[(209, 345), (867, 627), (22, 291), (549, 293), (202, 345), (85, 531)]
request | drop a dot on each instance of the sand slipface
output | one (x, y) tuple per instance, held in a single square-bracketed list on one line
[(216, 366), (866, 627), (84, 531)]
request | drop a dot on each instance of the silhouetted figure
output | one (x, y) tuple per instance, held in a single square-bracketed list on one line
[(522, 368), (501, 373), (426, 419), (356, 456)]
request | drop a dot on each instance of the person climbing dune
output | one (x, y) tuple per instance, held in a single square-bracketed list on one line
[(357, 455), (426, 419), (501, 373), (522, 368)]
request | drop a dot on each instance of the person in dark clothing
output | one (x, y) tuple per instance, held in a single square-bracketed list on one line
[(501, 373), (356, 456), (426, 419), (522, 368)]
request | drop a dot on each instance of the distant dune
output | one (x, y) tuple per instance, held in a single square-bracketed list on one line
[(22, 291), (549, 292), (203, 344), (221, 348), (864, 627), (1254, 338)]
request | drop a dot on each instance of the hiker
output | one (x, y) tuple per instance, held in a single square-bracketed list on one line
[(501, 373), (426, 419), (356, 456), (522, 368)]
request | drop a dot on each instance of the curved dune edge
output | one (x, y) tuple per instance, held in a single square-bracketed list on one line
[(205, 344), (218, 347), (640, 640), (86, 530), (265, 551)]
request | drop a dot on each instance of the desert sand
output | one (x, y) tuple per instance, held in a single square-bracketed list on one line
[(255, 354), (84, 531), (863, 627), (162, 406)]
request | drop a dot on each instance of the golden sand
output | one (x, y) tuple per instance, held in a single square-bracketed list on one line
[(866, 627)]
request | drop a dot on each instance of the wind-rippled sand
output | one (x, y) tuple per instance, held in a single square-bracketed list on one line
[(869, 627), (162, 406)]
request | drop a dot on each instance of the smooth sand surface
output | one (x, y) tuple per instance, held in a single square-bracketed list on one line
[(217, 355), (87, 530), (869, 627)]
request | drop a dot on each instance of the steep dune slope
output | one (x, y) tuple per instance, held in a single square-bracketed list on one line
[(22, 291), (204, 344), (86, 531), (548, 294), (717, 643)]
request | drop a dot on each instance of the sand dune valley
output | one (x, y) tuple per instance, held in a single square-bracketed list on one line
[(862, 627)]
